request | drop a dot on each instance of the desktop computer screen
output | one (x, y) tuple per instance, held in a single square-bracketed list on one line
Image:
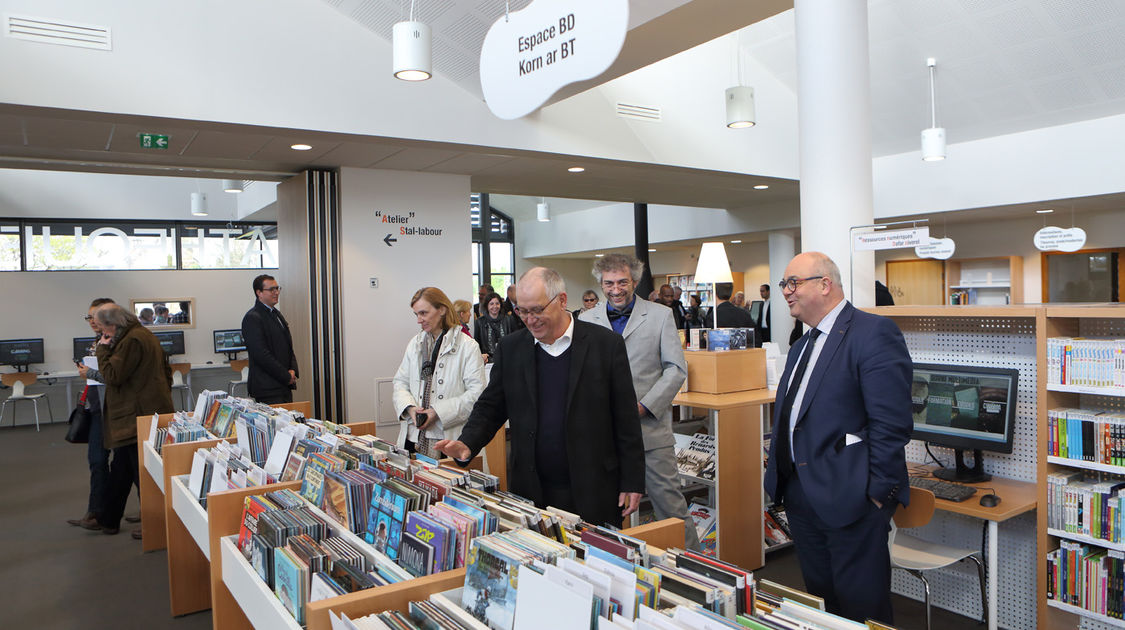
[(82, 347), (964, 408), (21, 352), (227, 341), (171, 341)]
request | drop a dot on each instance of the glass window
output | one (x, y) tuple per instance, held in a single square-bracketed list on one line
[(56, 246), (232, 246), (1083, 277), (501, 254), (9, 248)]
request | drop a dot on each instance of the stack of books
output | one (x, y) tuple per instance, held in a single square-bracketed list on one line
[(1091, 435), (1086, 362), (1086, 505), (1088, 577)]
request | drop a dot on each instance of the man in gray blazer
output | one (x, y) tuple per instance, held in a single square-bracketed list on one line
[(656, 360)]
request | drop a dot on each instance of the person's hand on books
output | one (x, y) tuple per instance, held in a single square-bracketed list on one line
[(629, 500), (459, 451)]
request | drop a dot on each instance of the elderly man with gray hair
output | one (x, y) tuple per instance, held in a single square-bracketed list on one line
[(565, 386), (658, 368)]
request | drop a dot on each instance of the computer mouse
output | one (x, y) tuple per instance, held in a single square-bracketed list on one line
[(990, 500)]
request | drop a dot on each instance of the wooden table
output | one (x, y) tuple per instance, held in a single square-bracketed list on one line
[(1016, 497), (738, 470)]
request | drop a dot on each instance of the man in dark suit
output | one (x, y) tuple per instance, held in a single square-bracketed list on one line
[(566, 387), (730, 316), (668, 298), (762, 326), (836, 457), (678, 308), (273, 366)]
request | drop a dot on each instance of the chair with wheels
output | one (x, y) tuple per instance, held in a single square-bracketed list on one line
[(915, 555), (242, 366), (180, 372), (19, 381)]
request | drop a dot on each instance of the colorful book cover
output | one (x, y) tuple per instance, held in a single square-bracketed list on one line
[(313, 487), (441, 536), (289, 582), (415, 555), (335, 499), (252, 507), (490, 586)]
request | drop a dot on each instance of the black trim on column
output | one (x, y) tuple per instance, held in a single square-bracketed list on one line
[(324, 289)]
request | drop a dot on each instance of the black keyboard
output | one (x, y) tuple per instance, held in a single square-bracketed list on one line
[(944, 489)]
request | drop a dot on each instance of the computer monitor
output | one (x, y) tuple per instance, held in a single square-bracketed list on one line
[(172, 341), (82, 347), (21, 353), (229, 342), (965, 408)]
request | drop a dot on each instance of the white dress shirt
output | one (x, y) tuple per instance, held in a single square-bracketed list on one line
[(562, 344), (825, 327)]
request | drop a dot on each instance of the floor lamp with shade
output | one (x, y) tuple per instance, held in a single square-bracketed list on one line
[(713, 268)]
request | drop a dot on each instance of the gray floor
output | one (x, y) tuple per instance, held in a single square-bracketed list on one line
[(53, 575)]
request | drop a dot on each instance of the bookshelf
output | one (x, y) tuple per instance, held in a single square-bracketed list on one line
[(984, 281), (1071, 321)]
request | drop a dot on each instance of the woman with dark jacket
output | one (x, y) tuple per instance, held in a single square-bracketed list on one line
[(138, 382), (493, 325)]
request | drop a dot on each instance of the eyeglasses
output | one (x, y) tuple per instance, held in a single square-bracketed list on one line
[(272, 289), (535, 311), (88, 317), (589, 299), (793, 283)]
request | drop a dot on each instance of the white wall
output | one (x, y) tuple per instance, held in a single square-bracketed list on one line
[(93, 196), (1075, 160), (1013, 237), (378, 323), (50, 304)]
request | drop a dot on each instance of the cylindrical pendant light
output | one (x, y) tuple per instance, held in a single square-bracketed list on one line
[(543, 211), (740, 107), (933, 139), (198, 204), (232, 185), (412, 51)]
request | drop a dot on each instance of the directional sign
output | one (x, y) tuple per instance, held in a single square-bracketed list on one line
[(388, 240), (153, 140)]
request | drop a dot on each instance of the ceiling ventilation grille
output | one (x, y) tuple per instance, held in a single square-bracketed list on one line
[(638, 112), (58, 32)]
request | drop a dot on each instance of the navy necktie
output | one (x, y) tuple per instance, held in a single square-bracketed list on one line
[(781, 433)]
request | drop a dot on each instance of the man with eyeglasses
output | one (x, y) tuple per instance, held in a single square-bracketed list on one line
[(269, 344), (658, 368), (836, 457), (566, 389)]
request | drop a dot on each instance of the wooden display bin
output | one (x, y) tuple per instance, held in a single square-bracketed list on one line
[(725, 371)]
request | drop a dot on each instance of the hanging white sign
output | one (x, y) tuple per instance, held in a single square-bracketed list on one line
[(940, 248), (531, 54), (891, 239), (1052, 238)]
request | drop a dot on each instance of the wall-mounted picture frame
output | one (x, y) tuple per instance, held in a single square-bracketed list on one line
[(165, 313)]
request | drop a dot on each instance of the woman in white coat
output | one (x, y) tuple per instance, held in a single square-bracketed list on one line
[(443, 361)]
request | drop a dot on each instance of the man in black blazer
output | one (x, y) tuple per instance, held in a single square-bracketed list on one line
[(273, 366), (836, 456), (566, 387), (730, 316), (762, 326)]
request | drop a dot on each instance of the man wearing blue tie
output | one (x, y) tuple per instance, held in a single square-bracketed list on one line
[(836, 458)]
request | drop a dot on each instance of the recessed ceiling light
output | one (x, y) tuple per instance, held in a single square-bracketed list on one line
[(598, 255), (1045, 211), (736, 242), (761, 187), (652, 250), (300, 147), (576, 169)]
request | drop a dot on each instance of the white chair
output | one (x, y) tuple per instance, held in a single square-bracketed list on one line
[(242, 366), (915, 555), (19, 381), (180, 373)]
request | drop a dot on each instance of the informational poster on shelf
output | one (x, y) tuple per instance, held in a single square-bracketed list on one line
[(1057, 239), (939, 248), (531, 54), (890, 239)]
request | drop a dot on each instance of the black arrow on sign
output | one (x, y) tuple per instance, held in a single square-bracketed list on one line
[(388, 240)]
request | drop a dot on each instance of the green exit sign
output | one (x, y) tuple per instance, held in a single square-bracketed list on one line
[(153, 140)]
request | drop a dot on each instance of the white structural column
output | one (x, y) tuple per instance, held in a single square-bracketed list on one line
[(834, 121), (783, 246)]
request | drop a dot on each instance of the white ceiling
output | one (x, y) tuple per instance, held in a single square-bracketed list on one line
[(458, 28), (1003, 66)]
